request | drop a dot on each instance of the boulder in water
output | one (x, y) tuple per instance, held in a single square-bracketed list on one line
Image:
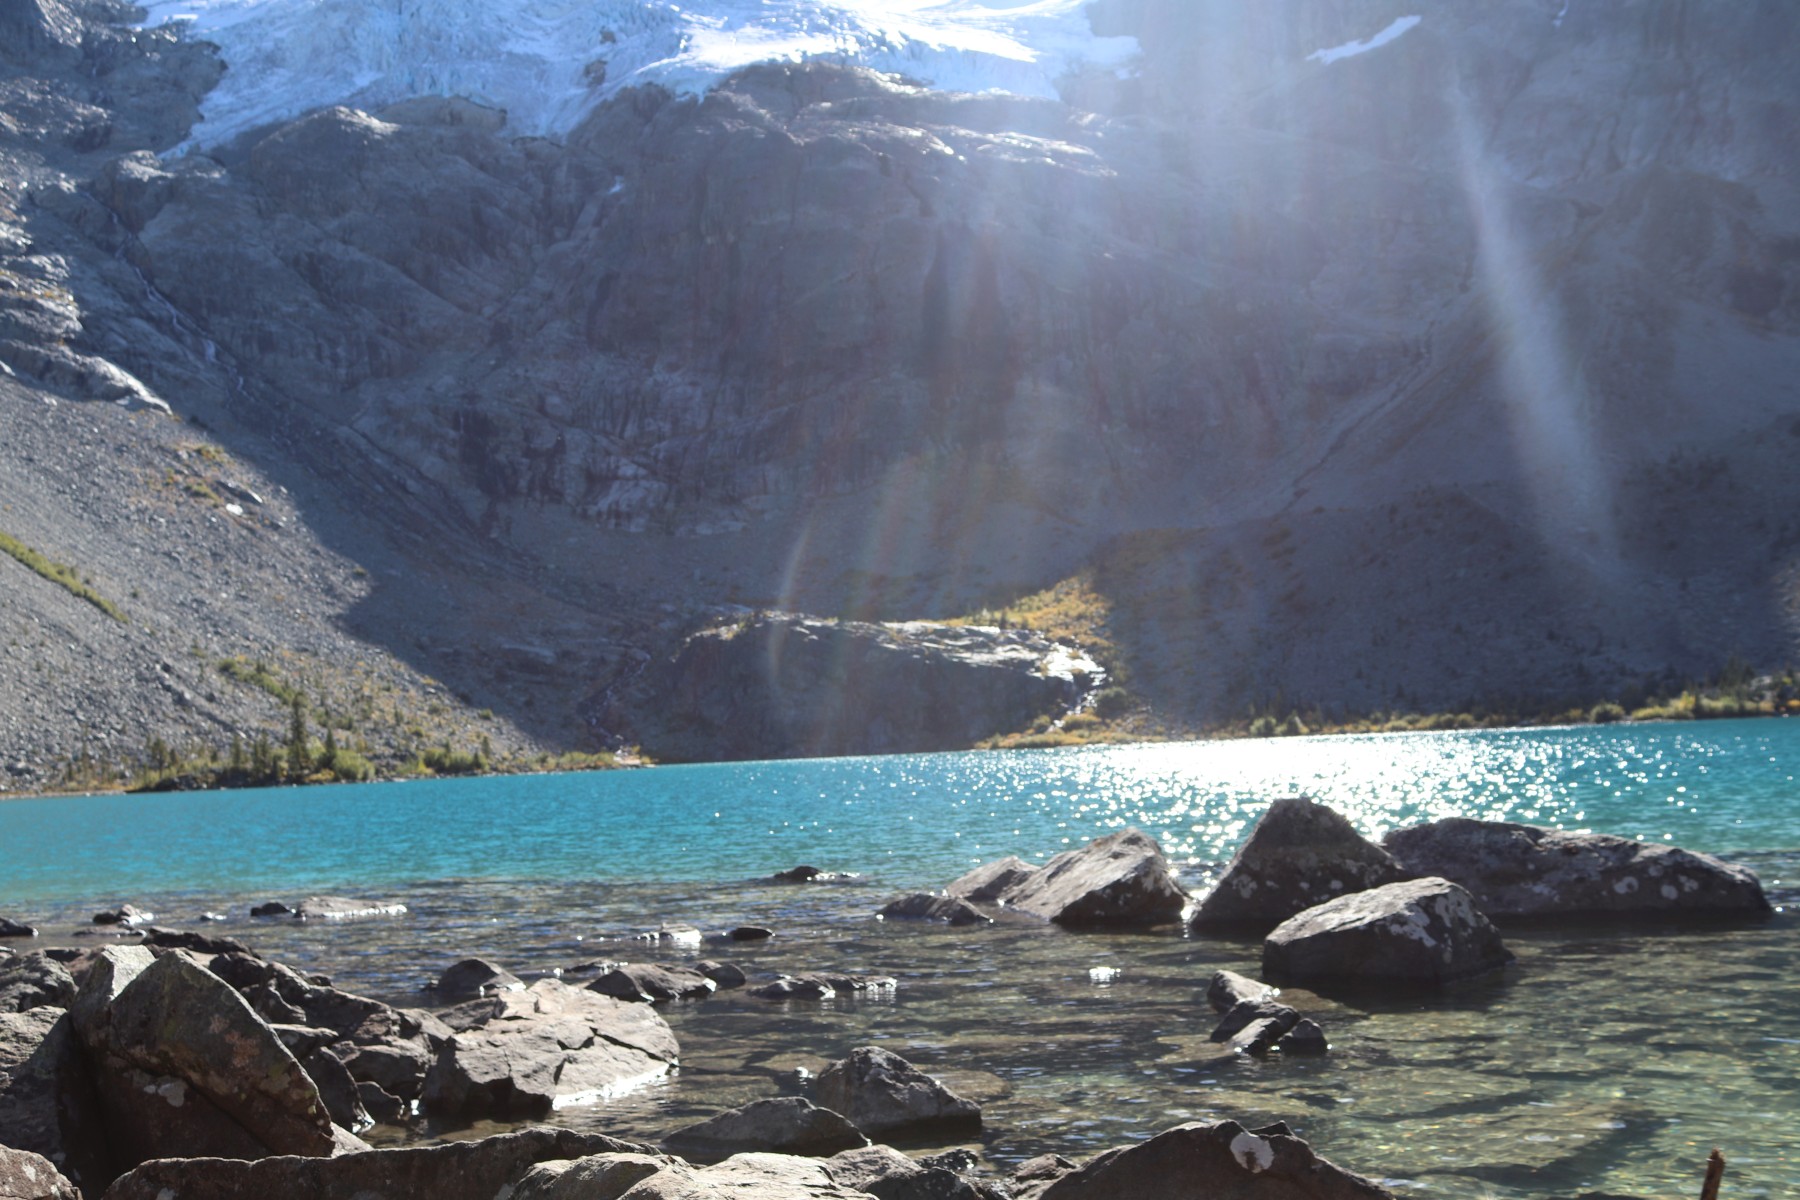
[(1300, 854), (1119, 879), (882, 1093), (1422, 932), (923, 906), (1222, 1161), (1529, 873)]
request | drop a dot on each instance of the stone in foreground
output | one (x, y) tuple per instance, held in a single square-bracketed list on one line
[(745, 1176), (547, 1047), (179, 1033), (884, 1172), (787, 1125), (46, 1104), (28, 1176), (453, 1171), (596, 1177), (882, 1093), (1300, 854), (1120, 879), (1524, 871), (1424, 932), (33, 981), (1223, 1161)]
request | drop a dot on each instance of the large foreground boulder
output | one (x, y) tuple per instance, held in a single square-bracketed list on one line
[(47, 1106), (452, 1171), (882, 1093), (28, 1176), (785, 1125), (1423, 932), (547, 1047), (1300, 854), (746, 1177), (33, 981), (1119, 879), (1222, 1161), (1523, 871), (185, 1068)]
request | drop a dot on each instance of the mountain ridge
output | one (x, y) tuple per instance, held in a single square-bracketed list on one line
[(1369, 383)]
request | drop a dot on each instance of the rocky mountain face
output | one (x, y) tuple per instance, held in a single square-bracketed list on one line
[(1459, 369)]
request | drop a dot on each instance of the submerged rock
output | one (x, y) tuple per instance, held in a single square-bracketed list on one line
[(125, 914), (1222, 1161), (1300, 854), (1119, 879), (1524, 871), (338, 908), (1422, 932), (882, 1093), (788, 1125), (823, 985), (646, 983), (1229, 989), (476, 977), (477, 1170), (923, 906)]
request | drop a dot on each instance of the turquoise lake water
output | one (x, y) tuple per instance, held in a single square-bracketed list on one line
[(1603, 1062), (909, 820)]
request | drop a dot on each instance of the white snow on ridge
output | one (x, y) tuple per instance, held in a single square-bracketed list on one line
[(1352, 49), (537, 59)]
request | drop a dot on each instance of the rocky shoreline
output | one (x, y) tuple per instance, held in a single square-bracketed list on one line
[(191, 1049)]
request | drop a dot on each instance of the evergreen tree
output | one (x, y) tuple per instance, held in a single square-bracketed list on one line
[(299, 760), (331, 749)]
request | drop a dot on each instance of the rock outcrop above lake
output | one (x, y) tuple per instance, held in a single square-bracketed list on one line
[(1300, 854), (785, 686), (1530, 873), (1222, 1161), (1424, 932), (1120, 879)]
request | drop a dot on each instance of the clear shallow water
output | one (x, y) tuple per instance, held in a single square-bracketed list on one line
[(1601, 1062)]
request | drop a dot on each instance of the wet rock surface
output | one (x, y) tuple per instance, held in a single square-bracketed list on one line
[(546, 1047), (1526, 872), (1424, 932), (924, 906), (1299, 854), (1119, 879), (882, 1093)]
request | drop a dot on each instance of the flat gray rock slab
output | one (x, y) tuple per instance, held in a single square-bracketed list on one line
[(550, 1046), (751, 1176), (1527, 872), (1300, 853), (452, 1171), (1423, 932)]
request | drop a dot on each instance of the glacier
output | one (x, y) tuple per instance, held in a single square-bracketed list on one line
[(547, 63)]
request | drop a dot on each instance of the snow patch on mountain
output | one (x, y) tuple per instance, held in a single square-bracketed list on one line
[(549, 62), (1352, 49)]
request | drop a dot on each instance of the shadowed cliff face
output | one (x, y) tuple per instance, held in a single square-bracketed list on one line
[(1457, 369)]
